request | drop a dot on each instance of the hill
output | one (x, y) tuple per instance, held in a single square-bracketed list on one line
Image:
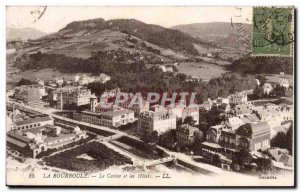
[(221, 29), (155, 34), (223, 35), (98, 42), (81, 39), (258, 65), (22, 34)]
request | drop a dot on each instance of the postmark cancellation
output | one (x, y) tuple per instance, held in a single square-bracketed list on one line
[(273, 31)]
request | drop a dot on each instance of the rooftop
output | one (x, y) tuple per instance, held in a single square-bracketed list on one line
[(212, 145), (244, 108), (16, 142), (250, 118), (235, 120), (187, 128), (276, 152), (59, 137), (117, 113), (287, 160), (259, 127), (18, 137), (154, 114), (33, 120), (109, 113)]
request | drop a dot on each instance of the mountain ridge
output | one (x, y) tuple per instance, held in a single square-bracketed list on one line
[(155, 34), (23, 34), (222, 34)]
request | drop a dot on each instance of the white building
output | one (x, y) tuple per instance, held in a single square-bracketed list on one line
[(267, 88), (181, 111), (287, 113), (72, 95), (59, 81), (243, 109), (157, 108), (221, 100), (109, 118), (166, 69), (118, 118), (76, 78), (103, 78), (84, 80), (238, 98), (163, 68), (159, 121), (32, 123), (207, 105), (257, 82), (136, 104), (234, 122), (110, 93), (284, 83), (191, 111), (39, 81), (273, 118)]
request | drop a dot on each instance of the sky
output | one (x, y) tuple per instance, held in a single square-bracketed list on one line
[(57, 17)]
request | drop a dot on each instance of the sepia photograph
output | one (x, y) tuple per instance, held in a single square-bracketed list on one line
[(150, 96)]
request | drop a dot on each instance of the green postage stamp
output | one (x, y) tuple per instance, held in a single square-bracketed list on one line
[(273, 33)]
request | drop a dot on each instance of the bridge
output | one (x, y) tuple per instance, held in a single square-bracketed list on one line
[(159, 161)]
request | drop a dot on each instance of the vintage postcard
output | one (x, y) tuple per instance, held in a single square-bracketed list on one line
[(150, 96)]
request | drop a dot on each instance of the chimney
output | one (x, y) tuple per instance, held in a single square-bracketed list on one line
[(56, 130), (13, 113), (61, 100), (93, 103)]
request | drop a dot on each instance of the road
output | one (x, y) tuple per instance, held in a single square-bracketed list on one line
[(50, 112), (118, 134)]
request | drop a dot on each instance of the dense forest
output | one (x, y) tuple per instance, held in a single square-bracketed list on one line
[(136, 77), (258, 65)]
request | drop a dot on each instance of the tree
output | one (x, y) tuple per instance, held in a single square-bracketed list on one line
[(181, 76), (168, 139), (289, 137), (25, 81), (154, 136), (284, 140), (242, 158), (263, 164), (258, 92), (204, 127), (216, 160), (213, 116), (279, 91), (189, 120), (279, 140), (262, 79)]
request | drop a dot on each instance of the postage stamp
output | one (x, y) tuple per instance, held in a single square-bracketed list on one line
[(273, 33)]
